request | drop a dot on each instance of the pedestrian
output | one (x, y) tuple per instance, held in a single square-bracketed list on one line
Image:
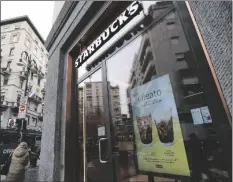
[(19, 161)]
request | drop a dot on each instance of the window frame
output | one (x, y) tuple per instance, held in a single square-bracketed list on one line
[(17, 34), (11, 53), (21, 83), (5, 81), (27, 39)]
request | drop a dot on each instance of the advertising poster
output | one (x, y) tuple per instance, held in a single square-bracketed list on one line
[(158, 135)]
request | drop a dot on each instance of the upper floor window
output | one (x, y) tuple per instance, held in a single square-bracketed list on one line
[(27, 42), (34, 120), (42, 57), (21, 83), (170, 25), (35, 51), (29, 31), (8, 64), (5, 82), (38, 82), (14, 37), (180, 56), (17, 27), (11, 51), (175, 40), (18, 98), (5, 28), (36, 42), (2, 97), (3, 37)]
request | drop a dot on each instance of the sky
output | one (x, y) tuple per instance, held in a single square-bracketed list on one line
[(39, 12)]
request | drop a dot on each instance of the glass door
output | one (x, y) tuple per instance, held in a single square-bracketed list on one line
[(93, 135)]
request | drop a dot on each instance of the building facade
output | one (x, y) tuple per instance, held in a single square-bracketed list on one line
[(56, 9), (173, 119), (17, 36)]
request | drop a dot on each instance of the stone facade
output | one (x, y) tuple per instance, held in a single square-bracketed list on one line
[(18, 35), (214, 20)]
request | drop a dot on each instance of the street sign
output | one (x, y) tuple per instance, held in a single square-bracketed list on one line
[(11, 122), (23, 107)]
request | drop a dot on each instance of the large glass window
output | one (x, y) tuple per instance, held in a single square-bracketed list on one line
[(162, 126)]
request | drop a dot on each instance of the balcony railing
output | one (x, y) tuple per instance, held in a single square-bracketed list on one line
[(36, 99), (15, 105), (149, 72), (4, 104), (147, 58), (41, 75), (6, 71), (23, 75)]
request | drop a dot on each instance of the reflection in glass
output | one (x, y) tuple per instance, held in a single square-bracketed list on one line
[(91, 108), (162, 50)]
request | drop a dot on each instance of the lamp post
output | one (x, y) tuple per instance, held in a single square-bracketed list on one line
[(31, 67)]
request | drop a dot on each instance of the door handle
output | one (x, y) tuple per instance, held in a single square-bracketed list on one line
[(100, 158)]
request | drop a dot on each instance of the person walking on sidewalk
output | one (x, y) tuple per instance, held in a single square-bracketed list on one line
[(19, 161)]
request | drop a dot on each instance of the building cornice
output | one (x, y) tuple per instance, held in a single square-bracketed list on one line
[(21, 19)]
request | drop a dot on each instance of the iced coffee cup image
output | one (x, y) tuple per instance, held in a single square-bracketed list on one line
[(144, 124), (164, 123)]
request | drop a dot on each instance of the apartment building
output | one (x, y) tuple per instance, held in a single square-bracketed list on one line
[(93, 94), (20, 43)]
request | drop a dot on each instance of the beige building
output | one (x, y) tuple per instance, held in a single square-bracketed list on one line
[(17, 36), (93, 94)]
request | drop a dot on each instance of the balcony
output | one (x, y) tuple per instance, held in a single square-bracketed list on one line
[(147, 58), (15, 107), (33, 69), (144, 45), (23, 75), (6, 71), (150, 70), (36, 99), (40, 116), (41, 75), (132, 75), (4, 105), (133, 83)]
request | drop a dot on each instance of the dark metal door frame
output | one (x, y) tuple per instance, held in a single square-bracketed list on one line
[(216, 108), (107, 119)]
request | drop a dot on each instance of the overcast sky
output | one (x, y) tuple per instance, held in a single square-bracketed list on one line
[(40, 13)]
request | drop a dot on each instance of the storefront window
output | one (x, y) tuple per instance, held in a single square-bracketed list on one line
[(148, 99), (161, 123), (91, 117)]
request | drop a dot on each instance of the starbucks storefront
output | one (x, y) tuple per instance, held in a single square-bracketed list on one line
[(147, 106)]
